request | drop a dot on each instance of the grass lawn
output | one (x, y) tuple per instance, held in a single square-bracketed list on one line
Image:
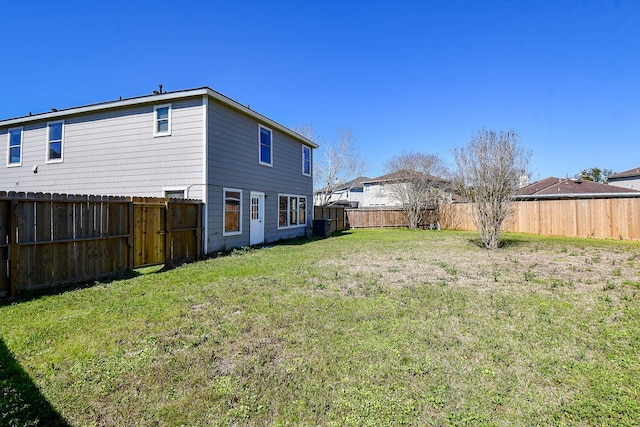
[(372, 327)]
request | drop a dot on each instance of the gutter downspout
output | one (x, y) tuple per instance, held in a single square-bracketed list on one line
[(205, 169)]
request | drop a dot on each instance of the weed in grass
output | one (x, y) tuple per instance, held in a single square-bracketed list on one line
[(633, 283), (449, 269), (617, 272), (609, 286), (529, 275)]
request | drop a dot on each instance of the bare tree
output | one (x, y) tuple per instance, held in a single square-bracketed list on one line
[(490, 168), (418, 182), (337, 163)]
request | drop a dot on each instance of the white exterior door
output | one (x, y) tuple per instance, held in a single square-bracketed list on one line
[(257, 219)]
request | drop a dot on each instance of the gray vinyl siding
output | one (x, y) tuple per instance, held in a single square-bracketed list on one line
[(234, 163), (113, 152)]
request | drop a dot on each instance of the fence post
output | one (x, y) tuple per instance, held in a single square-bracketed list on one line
[(168, 247), (199, 242), (14, 250), (130, 240)]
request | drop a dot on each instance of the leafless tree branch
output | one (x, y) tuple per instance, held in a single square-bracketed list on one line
[(418, 183), (490, 168)]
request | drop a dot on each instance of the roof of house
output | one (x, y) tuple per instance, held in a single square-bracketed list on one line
[(396, 176), (155, 98), (559, 186), (354, 183), (635, 172)]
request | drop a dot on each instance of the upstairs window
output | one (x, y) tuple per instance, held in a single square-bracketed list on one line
[(14, 155), (266, 146), (306, 160), (162, 120), (55, 141)]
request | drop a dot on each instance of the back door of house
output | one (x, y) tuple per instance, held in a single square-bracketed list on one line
[(257, 218)]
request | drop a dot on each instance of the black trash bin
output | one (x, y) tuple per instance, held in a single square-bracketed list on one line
[(321, 227)]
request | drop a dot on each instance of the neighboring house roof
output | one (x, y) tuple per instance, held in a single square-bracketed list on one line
[(155, 98), (354, 183), (558, 186), (631, 173), (396, 176)]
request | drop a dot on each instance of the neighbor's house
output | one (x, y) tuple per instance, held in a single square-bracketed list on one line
[(628, 179), (377, 190), (253, 174), (350, 194), (553, 187)]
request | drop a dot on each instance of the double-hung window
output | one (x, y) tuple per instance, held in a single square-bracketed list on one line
[(306, 160), (14, 149), (162, 120), (292, 211), (232, 212), (55, 141), (266, 145)]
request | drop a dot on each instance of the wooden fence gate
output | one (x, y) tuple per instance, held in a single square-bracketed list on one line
[(166, 231)]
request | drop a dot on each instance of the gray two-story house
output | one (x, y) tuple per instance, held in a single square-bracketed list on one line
[(253, 174)]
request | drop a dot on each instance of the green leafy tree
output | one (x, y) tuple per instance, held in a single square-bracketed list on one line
[(597, 175)]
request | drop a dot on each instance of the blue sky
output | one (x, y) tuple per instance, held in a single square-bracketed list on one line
[(403, 75)]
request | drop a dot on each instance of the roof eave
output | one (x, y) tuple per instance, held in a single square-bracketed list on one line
[(248, 111), (155, 98)]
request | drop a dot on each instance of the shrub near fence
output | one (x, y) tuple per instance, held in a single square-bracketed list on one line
[(50, 238)]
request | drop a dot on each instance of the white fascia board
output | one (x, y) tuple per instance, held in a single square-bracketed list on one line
[(157, 98), (146, 99)]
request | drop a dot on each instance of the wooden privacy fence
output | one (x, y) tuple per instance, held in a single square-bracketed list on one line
[(48, 239), (612, 218), (334, 214), (387, 218)]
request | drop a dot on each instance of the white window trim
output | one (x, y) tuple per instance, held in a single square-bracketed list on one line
[(306, 211), (155, 120), (9, 164), (61, 159), (260, 127), (224, 211), (304, 147)]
